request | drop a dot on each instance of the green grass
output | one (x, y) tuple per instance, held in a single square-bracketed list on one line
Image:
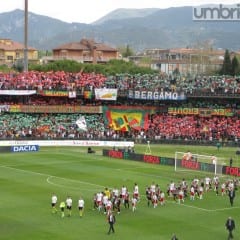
[(28, 180)]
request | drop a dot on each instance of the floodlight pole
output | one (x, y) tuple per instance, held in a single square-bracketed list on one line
[(26, 37)]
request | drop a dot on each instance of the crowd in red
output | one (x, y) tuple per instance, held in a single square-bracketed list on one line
[(59, 80), (165, 126)]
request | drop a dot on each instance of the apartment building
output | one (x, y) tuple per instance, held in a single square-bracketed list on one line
[(12, 52)]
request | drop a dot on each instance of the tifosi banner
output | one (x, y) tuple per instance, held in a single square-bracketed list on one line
[(106, 94), (87, 94), (203, 112), (52, 93), (156, 95), (124, 120)]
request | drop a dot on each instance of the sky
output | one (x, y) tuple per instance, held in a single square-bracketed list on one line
[(91, 10)]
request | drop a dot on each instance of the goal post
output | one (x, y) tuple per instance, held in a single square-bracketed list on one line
[(185, 161)]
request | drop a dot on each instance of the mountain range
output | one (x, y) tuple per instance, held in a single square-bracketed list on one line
[(138, 28)]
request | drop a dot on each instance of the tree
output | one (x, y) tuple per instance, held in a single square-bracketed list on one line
[(127, 52), (176, 72), (235, 66), (227, 64), (145, 61), (42, 54), (112, 67)]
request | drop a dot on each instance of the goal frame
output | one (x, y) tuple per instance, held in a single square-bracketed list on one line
[(210, 159)]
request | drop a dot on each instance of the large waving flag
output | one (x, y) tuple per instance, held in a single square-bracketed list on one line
[(81, 123), (126, 119)]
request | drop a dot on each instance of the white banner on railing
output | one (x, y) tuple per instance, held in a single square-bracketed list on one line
[(17, 92), (72, 143), (106, 94)]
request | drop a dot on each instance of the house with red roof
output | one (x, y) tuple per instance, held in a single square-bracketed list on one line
[(85, 51)]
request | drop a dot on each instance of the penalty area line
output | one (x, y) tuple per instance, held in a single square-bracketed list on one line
[(48, 175), (64, 186), (70, 180)]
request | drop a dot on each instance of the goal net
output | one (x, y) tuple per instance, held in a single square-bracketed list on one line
[(191, 161)]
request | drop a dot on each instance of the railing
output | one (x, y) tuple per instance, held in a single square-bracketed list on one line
[(198, 93), (214, 143)]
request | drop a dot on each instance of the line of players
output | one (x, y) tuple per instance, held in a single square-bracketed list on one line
[(111, 200), (179, 192), (108, 201), (154, 195), (68, 204), (199, 187)]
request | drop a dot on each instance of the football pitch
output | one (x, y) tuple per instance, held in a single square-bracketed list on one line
[(28, 181)]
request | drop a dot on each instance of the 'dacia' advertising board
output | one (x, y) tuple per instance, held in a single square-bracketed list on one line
[(25, 148)]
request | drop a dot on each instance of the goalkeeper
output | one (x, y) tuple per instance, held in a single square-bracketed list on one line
[(62, 207)]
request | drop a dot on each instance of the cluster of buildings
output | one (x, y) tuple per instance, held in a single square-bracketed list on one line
[(169, 61), (85, 51), (182, 60)]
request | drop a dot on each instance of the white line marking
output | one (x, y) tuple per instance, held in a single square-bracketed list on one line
[(44, 174), (92, 184), (64, 186), (73, 180), (202, 209)]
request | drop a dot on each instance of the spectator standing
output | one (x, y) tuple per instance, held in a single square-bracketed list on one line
[(230, 226), (218, 146)]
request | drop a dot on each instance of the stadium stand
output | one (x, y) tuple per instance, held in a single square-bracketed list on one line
[(203, 92)]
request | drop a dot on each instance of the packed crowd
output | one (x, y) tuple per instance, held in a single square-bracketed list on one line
[(161, 127), (207, 84), (165, 126), (61, 80), (49, 126)]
